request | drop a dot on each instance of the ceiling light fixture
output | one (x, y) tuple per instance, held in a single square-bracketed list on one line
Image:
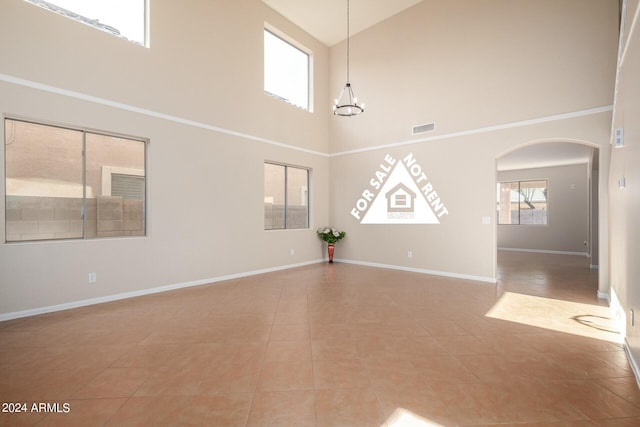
[(347, 104)]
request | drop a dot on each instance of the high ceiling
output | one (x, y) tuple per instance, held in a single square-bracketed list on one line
[(326, 20)]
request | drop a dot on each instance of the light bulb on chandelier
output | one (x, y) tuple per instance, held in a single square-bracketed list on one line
[(347, 103)]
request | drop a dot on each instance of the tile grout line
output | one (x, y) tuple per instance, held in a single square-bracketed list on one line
[(262, 361)]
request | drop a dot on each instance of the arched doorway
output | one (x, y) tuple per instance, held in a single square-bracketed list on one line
[(547, 202)]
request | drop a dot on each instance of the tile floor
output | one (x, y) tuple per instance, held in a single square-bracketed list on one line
[(332, 345)]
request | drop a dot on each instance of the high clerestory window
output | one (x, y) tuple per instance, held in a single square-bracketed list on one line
[(523, 202), (286, 70), (64, 183), (286, 197), (122, 18)]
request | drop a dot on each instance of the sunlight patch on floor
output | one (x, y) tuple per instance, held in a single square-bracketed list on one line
[(586, 320), (404, 418)]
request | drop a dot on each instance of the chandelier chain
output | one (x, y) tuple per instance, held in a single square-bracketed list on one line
[(348, 34), (346, 104)]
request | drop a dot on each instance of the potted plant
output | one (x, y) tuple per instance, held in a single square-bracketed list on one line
[(331, 236)]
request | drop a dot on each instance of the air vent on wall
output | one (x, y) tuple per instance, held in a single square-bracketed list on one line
[(429, 127)]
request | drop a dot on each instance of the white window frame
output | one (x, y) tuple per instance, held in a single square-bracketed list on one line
[(305, 195), (294, 44), (105, 189)]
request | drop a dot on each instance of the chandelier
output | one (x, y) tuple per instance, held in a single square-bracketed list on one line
[(346, 104)]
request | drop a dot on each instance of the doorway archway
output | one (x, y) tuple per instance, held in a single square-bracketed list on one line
[(566, 174)]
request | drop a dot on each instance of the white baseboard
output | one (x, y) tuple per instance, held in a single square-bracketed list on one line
[(133, 294), (544, 251), (150, 291), (420, 270), (632, 362)]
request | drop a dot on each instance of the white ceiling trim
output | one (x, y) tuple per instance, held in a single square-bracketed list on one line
[(552, 118), (151, 113), (106, 102)]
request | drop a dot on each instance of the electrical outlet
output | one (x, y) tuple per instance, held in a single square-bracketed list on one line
[(293, 251), (409, 254), (619, 138), (622, 183), (93, 277)]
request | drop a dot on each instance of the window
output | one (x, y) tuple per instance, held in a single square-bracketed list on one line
[(522, 202), (66, 183), (286, 71), (122, 18), (286, 197)]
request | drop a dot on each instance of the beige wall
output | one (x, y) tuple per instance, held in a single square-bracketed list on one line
[(471, 64), (197, 96), (493, 76), (624, 206), (461, 244), (205, 64), (568, 212)]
